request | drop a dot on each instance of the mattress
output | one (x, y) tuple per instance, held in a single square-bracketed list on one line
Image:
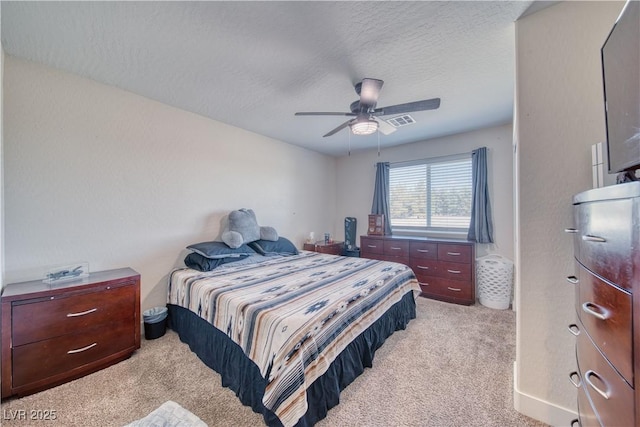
[(292, 316)]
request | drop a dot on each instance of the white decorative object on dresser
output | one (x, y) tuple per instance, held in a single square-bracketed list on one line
[(607, 304)]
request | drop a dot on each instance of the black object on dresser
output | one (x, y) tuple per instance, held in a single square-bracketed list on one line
[(445, 268), (52, 334), (607, 303)]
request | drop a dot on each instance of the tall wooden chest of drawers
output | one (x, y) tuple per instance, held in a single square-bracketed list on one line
[(607, 303), (53, 333), (445, 268)]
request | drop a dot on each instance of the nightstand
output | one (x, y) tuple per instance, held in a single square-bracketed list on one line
[(333, 248), (54, 333)]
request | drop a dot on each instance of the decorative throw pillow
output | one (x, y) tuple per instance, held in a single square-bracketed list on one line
[(214, 250), (281, 246), (201, 263)]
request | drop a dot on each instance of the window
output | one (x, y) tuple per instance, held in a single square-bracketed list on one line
[(431, 195)]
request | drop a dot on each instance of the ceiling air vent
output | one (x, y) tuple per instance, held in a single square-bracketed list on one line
[(401, 121)]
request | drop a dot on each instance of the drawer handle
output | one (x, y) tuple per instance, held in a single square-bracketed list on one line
[(396, 249), (590, 238), (587, 379), (575, 423), (372, 246), (424, 251), (453, 253), (422, 267), (574, 377), (454, 289), (574, 329), (454, 271), (573, 280), (80, 350), (571, 230), (423, 283), (82, 313), (601, 313)]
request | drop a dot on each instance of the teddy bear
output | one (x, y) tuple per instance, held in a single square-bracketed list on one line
[(243, 228)]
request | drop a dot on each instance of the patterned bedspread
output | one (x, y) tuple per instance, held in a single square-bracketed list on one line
[(293, 315)]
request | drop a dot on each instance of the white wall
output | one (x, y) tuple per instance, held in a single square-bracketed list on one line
[(97, 174), (559, 116), (356, 176)]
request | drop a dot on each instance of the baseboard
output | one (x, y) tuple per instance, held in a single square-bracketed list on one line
[(538, 409)]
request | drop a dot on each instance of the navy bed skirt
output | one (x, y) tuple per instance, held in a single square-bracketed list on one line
[(241, 375)]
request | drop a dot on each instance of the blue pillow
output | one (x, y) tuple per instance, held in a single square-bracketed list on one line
[(214, 250), (281, 246), (201, 263)]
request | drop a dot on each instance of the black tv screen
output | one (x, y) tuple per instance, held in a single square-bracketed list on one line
[(621, 77)]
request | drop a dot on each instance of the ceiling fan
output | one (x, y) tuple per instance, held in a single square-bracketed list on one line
[(364, 110)]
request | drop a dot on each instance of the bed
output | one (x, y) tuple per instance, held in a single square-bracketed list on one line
[(288, 331)]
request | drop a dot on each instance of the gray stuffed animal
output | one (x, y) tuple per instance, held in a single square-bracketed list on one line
[(243, 228)]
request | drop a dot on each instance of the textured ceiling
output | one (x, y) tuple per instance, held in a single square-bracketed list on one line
[(254, 64)]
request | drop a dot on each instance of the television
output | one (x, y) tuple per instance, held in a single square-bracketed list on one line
[(620, 56)]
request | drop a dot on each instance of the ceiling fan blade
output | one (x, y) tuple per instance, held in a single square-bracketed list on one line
[(369, 91), (427, 104), (325, 113), (385, 128), (339, 128)]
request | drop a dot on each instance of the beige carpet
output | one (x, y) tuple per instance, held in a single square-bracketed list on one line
[(452, 366)]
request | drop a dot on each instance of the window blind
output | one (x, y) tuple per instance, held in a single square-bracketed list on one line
[(431, 194)]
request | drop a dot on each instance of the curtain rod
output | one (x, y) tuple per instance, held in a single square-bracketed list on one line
[(429, 159)]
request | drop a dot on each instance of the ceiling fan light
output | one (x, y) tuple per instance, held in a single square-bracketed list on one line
[(364, 127)]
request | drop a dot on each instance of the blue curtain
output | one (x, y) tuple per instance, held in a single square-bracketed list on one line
[(381, 195), (481, 225)]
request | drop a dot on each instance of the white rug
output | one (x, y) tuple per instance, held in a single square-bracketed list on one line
[(169, 414)]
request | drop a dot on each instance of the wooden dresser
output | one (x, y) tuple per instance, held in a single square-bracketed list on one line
[(444, 268), (53, 333), (607, 303)]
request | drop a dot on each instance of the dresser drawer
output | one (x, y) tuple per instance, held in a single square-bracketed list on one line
[(588, 416), (423, 250), (611, 396), (454, 271), (454, 253), (59, 316), (396, 248), (606, 315), (604, 239), (374, 246), (56, 356), (448, 289), (424, 267)]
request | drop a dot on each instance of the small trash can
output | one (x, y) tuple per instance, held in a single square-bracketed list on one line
[(495, 281), (155, 322)]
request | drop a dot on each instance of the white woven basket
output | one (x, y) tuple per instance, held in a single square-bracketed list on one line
[(494, 274)]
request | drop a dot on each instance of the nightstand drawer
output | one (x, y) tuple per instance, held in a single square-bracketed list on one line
[(40, 360), (66, 314)]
